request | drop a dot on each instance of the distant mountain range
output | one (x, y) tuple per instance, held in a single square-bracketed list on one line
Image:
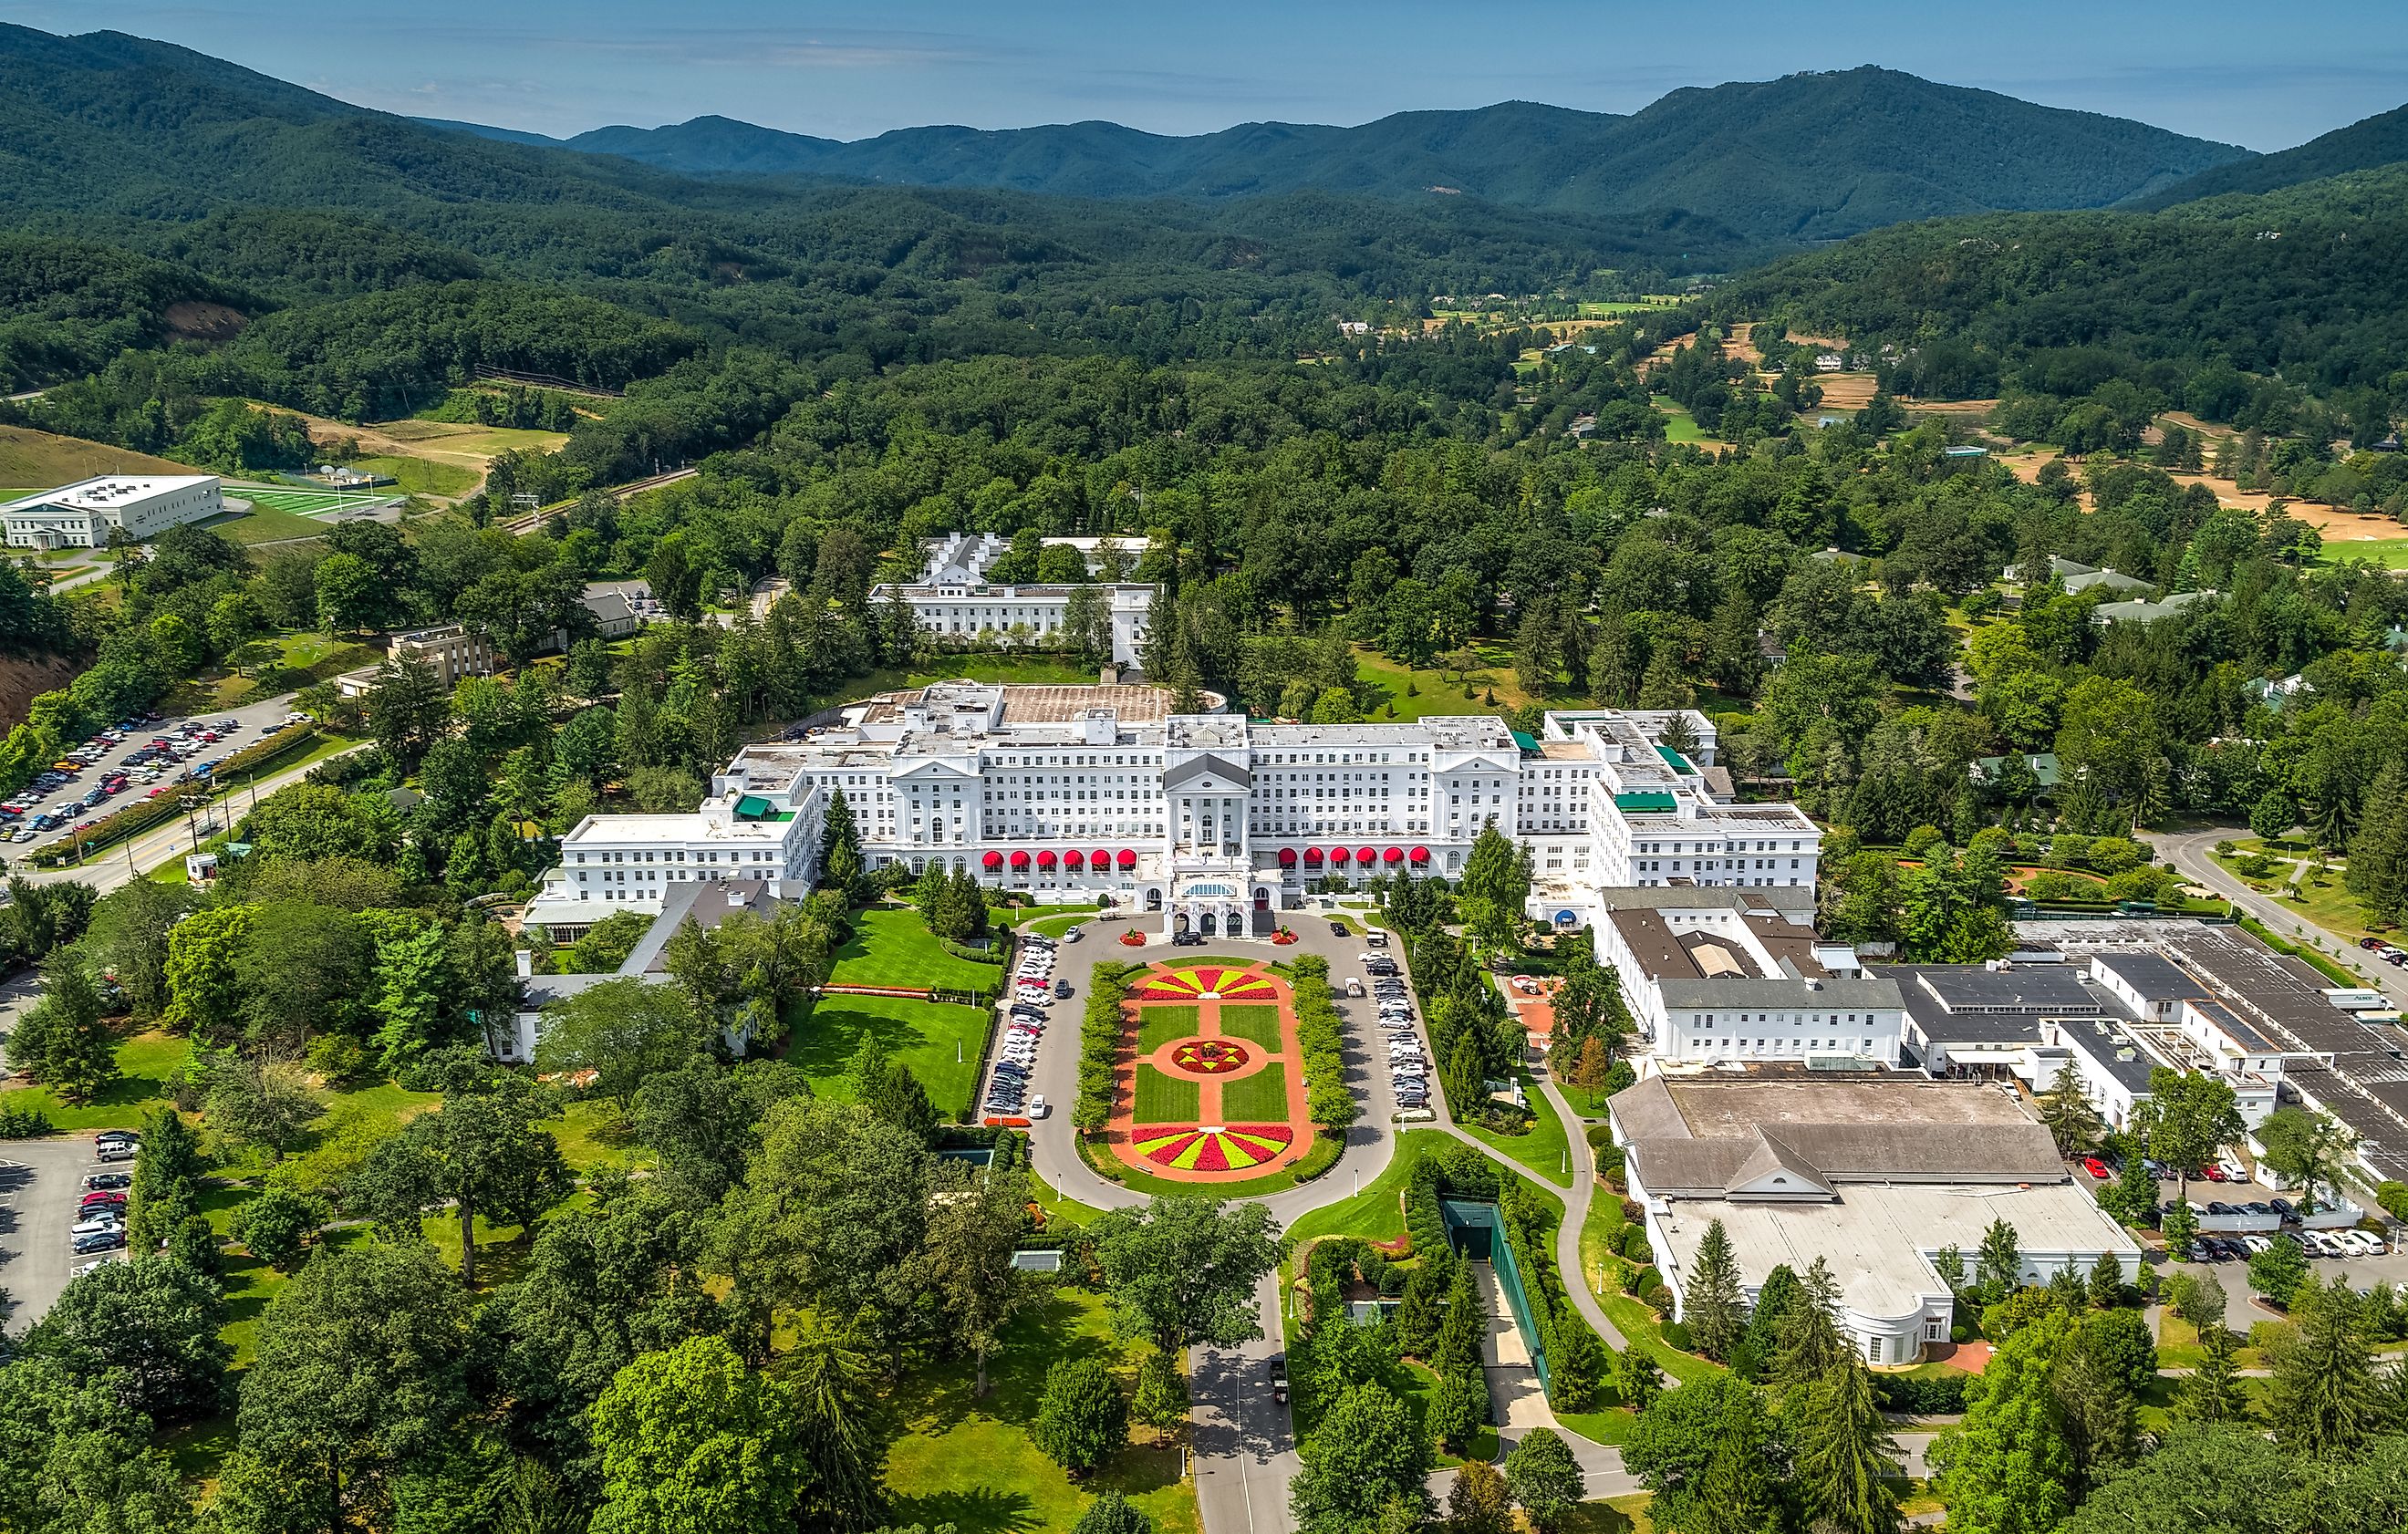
[(1806, 157)]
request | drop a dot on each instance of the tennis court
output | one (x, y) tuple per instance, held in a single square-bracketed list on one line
[(309, 503)]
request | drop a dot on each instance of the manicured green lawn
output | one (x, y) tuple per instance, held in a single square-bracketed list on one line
[(1679, 424), (1544, 1150), (1158, 1024), (1625, 1514), (1433, 693), (967, 1460), (1378, 1213), (1061, 920), (1604, 1270), (2392, 553), (940, 1042), (891, 946), (144, 1061), (1259, 1098), (420, 476), (1256, 1024), (1164, 1098), (264, 522)]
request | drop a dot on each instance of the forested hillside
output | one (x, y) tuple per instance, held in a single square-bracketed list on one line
[(1806, 156), (2201, 305), (2365, 145)]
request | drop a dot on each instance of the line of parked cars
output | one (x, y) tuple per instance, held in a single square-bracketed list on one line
[(2388, 953), (154, 765), (1034, 989), (99, 1228), (2315, 1244), (1408, 1062)]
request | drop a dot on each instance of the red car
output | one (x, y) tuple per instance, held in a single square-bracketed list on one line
[(2096, 1167), (2212, 1172)]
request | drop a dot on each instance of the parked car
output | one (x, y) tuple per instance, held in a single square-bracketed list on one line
[(2096, 1167), (108, 1180), (100, 1241), (1337, 929)]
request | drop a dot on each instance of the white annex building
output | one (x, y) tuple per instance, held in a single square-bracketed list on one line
[(1875, 1175), (83, 515), (955, 599), (1213, 822)]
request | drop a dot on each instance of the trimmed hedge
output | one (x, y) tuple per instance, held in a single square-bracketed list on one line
[(1100, 1045), (1327, 1101), (1921, 1395)]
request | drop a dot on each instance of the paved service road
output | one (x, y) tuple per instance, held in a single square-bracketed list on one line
[(2189, 853)]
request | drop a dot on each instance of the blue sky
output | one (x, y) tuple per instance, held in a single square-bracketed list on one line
[(2263, 75)]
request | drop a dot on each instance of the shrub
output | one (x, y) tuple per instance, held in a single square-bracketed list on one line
[(1922, 840), (2115, 854), (1634, 1245), (2393, 1198), (23, 1124), (1935, 1394), (1637, 1280), (1960, 1333), (1676, 1335)]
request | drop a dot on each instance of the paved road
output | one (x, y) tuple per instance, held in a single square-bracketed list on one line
[(1245, 1449), (127, 860), (2189, 852)]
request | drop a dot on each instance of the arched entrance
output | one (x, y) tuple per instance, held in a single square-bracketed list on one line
[(1179, 921), (1262, 899), (1207, 923), (1154, 899)]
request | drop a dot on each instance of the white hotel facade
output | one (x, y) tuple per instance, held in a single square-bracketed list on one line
[(1211, 821)]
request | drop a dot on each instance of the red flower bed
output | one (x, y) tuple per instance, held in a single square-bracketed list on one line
[(1133, 938)]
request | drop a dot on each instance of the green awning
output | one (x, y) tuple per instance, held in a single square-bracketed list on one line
[(1529, 742), (1677, 762), (1648, 803), (754, 807)]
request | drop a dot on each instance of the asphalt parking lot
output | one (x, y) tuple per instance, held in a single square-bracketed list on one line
[(41, 1181), (249, 729), (2391, 1267)]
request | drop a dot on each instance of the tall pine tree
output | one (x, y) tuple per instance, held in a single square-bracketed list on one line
[(1711, 1304), (2378, 854)]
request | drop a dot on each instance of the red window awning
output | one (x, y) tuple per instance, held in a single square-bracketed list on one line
[(1421, 854), (1339, 854), (1046, 858), (1127, 859), (1393, 854), (1287, 857), (1074, 859), (993, 860), (1019, 860), (1099, 858), (1313, 854), (1366, 854)]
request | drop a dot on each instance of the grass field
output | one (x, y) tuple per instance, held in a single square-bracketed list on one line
[(967, 1460), (1544, 1150), (1604, 1270), (1679, 424), (1257, 1024), (939, 1043), (1163, 1098), (419, 476), (144, 1061), (47, 461), (263, 524), (1376, 1214), (1608, 308), (1259, 1098), (1433, 693), (1158, 1025), (891, 946), (309, 503), (2389, 553)]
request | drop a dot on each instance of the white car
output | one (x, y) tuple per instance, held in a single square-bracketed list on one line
[(1039, 1107), (93, 1225), (2257, 1243)]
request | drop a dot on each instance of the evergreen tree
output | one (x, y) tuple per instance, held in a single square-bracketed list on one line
[(1083, 1419), (2378, 854), (1775, 1298), (1111, 1513), (1844, 1455), (1999, 1266), (840, 865), (2211, 1392), (2064, 1108), (2106, 1281), (1711, 1304), (2323, 1399), (1809, 1344)]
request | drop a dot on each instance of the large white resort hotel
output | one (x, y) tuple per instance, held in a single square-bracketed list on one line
[(1210, 821)]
